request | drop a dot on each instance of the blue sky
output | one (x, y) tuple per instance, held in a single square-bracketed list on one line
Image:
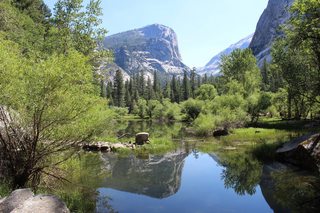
[(203, 27)]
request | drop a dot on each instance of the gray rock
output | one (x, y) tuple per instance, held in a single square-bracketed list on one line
[(142, 138), (42, 204), (303, 152), (2, 199), (151, 48), (276, 14), (117, 146), (15, 199)]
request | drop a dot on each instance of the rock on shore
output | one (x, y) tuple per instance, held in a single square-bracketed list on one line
[(303, 152), (24, 201)]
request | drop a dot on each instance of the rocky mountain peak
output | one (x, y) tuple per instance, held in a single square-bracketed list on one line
[(151, 48)]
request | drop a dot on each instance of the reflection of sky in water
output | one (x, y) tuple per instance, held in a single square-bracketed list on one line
[(202, 190)]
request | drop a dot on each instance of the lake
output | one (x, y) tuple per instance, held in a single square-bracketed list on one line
[(189, 178)]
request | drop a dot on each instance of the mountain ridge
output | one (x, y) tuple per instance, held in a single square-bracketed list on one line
[(150, 48), (213, 66)]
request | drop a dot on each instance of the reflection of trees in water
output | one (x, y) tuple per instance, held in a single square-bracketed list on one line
[(241, 173), (294, 190), (285, 189), (85, 175), (103, 202)]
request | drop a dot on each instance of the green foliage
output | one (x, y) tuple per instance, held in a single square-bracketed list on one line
[(241, 65), (172, 111), (57, 105), (120, 112), (206, 92), (76, 26), (258, 103), (186, 89), (152, 105), (296, 59), (192, 108), (279, 101), (85, 173), (118, 94), (205, 124), (142, 108), (21, 29)]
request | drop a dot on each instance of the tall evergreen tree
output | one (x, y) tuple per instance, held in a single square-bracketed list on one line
[(167, 90), (198, 81), (103, 89), (156, 85), (109, 90), (193, 83), (150, 92), (141, 83), (205, 79), (185, 86), (118, 90), (127, 95), (265, 74)]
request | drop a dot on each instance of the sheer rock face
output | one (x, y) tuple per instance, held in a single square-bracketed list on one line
[(151, 48), (276, 14)]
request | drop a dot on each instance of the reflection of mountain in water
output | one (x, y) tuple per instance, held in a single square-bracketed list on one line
[(156, 176)]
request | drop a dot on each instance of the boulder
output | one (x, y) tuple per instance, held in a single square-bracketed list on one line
[(15, 199), (117, 146), (303, 152), (2, 199), (42, 204), (24, 201), (142, 138), (220, 132)]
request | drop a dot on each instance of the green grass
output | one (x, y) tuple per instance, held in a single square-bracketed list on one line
[(4, 189), (256, 134), (290, 125)]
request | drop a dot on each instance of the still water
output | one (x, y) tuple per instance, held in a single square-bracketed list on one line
[(175, 182), (198, 176)]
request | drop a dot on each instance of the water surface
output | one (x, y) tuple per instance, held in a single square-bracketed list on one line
[(176, 182)]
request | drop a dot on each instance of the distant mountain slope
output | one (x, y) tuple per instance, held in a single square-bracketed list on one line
[(151, 48), (276, 14), (213, 67)]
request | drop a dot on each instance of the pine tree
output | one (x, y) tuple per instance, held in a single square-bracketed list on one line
[(185, 86), (193, 82), (198, 81), (150, 92), (135, 89), (127, 95), (156, 85), (205, 79), (175, 90), (167, 90), (103, 89), (265, 74), (109, 90), (118, 90), (141, 84)]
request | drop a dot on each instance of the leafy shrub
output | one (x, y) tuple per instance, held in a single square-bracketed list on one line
[(205, 124), (192, 108)]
